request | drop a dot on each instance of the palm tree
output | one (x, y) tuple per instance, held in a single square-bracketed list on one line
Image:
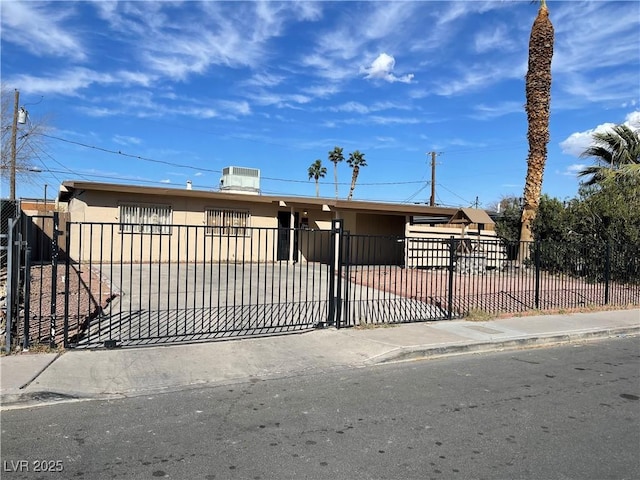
[(617, 152), (317, 171), (355, 161), (336, 156), (538, 93)]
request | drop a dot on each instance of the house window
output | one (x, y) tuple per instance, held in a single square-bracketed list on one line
[(145, 218), (227, 222)]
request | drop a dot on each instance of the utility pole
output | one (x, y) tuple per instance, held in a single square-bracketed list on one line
[(432, 200), (14, 134)]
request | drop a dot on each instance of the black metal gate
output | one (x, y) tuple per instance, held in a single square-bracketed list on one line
[(163, 284)]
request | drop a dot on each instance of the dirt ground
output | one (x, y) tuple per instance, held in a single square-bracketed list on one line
[(88, 294)]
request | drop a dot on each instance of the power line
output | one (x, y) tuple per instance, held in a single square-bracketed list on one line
[(411, 197), (137, 157), (54, 160), (180, 165), (455, 194)]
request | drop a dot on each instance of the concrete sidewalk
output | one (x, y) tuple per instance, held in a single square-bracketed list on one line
[(30, 379)]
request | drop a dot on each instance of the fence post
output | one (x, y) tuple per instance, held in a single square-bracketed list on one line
[(11, 305), (339, 293), (27, 292), (54, 279), (607, 273), (347, 264), (334, 269), (452, 253), (67, 243), (537, 267)]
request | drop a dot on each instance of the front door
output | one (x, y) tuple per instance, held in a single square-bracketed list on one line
[(284, 232)]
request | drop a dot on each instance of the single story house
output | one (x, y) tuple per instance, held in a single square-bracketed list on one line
[(130, 217)]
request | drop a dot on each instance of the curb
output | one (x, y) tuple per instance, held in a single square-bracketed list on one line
[(407, 354), (11, 401)]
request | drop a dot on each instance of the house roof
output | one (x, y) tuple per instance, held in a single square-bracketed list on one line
[(471, 215), (69, 189)]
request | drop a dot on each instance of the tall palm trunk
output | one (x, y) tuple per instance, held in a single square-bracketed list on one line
[(317, 188), (538, 92), (335, 176), (354, 177)]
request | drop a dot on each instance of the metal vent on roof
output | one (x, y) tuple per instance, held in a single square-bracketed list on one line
[(240, 180)]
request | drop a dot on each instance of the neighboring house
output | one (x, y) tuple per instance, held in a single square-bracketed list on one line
[(252, 225), (36, 206)]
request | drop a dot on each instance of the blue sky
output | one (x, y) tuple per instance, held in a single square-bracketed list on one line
[(195, 87)]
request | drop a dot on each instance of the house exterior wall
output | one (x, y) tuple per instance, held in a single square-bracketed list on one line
[(315, 243), (96, 232), (99, 237), (376, 239)]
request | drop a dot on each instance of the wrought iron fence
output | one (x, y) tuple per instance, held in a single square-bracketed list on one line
[(98, 284), (420, 279)]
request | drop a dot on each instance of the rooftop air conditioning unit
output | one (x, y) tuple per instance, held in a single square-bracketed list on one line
[(240, 180)]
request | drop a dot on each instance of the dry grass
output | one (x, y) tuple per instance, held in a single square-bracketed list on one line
[(478, 315), (371, 326)]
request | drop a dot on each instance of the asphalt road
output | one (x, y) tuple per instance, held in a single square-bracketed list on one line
[(554, 413)]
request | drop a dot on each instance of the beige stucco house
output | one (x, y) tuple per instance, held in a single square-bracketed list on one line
[(140, 223)]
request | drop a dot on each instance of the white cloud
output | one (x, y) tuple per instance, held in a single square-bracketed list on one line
[(321, 91), (582, 32), (493, 39), (489, 112), (351, 107), (378, 26), (279, 100), (581, 36), (476, 77), (71, 81), (211, 34), (578, 142), (327, 67), (125, 140), (40, 30), (633, 120), (166, 180), (589, 87), (380, 120), (382, 69), (573, 169), (238, 108), (264, 80), (307, 10)]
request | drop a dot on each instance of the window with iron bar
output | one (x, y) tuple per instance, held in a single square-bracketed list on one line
[(135, 218), (227, 222)]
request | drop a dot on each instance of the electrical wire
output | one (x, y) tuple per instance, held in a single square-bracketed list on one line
[(137, 157), (55, 161), (180, 165), (411, 197), (274, 179), (454, 193)]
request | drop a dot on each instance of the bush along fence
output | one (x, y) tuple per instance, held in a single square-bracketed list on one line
[(104, 284)]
